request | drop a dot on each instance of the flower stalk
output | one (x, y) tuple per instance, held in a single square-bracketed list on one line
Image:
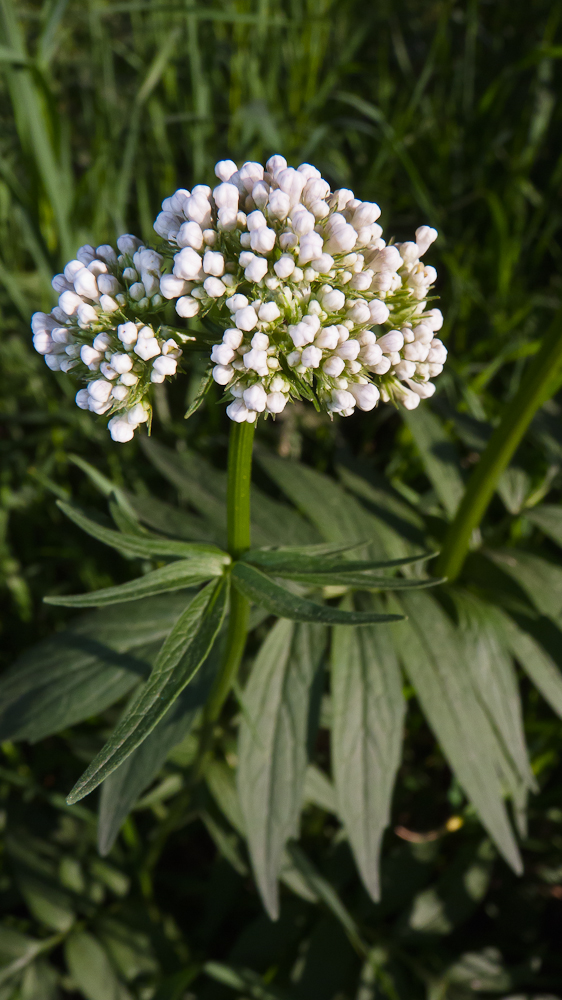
[(540, 383), (238, 532)]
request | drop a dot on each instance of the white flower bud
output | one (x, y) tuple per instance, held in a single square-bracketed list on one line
[(107, 371), (102, 341), (341, 399), (279, 205), (223, 374), (359, 312), (187, 264), (42, 342), (425, 236), (256, 220), (85, 284), (366, 396), (409, 252), (108, 304), (257, 268), (260, 194), (172, 287), (165, 365), (302, 222), (437, 353), (198, 209), (232, 338), (327, 338), (222, 354), (187, 306), (371, 355), (276, 402), (349, 351), (405, 369), (423, 333), (434, 319), (120, 429), (333, 366), (128, 378), (262, 240), (246, 319), (90, 356), (214, 287), (294, 359), (128, 244), (260, 341), (147, 348), (121, 363), (250, 173), (120, 393), (127, 333), (423, 389), (99, 390), (213, 263), (301, 334), (82, 397), (322, 264), (53, 361), (311, 357), (107, 253), (236, 302), (237, 411), (288, 241), (333, 300), (291, 182), (367, 213), (255, 398), (381, 367), (284, 267), (268, 312), (224, 169), (136, 291), (69, 302), (72, 269), (256, 360), (391, 341)]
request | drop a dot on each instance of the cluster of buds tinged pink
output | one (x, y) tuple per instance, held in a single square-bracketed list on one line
[(312, 302)]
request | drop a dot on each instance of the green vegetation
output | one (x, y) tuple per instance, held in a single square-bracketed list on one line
[(444, 113)]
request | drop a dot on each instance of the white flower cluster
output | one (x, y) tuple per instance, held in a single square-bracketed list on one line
[(310, 300), (104, 330), (314, 302)]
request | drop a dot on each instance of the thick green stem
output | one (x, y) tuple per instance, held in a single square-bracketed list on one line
[(538, 384), (238, 531)]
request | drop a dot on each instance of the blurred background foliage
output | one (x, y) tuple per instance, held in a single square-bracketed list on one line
[(445, 113)]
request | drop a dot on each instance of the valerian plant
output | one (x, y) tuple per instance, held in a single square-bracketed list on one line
[(298, 297)]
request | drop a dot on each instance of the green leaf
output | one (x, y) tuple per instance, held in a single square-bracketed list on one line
[(205, 488), (337, 515), (455, 896), (318, 790), (174, 576), (360, 580), (539, 579), (495, 684), (439, 456), (296, 560), (535, 660), (80, 671), (91, 969), (433, 654), (547, 517), (202, 390), (244, 981), (144, 546), (18, 950), (183, 652), (368, 715), (273, 747), (126, 784), (327, 894), (399, 526), (264, 591)]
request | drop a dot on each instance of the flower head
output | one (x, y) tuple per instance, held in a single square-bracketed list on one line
[(311, 301)]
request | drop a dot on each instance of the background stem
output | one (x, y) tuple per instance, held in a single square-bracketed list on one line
[(539, 383), (238, 531)]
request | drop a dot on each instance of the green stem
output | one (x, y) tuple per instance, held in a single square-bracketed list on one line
[(238, 533), (539, 383)]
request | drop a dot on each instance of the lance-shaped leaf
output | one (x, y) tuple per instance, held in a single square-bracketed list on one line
[(174, 576), (359, 580), (368, 714), (281, 602), (183, 652), (83, 669), (273, 747), (126, 784), (439, 456), (320, 559), (540, 579), (202, 390), (434, 659), (547, 517), (495, 683), (143, 545), (525, 639)]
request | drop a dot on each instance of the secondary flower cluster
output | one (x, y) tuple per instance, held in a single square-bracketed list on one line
[(105, 330), (310, 301)]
